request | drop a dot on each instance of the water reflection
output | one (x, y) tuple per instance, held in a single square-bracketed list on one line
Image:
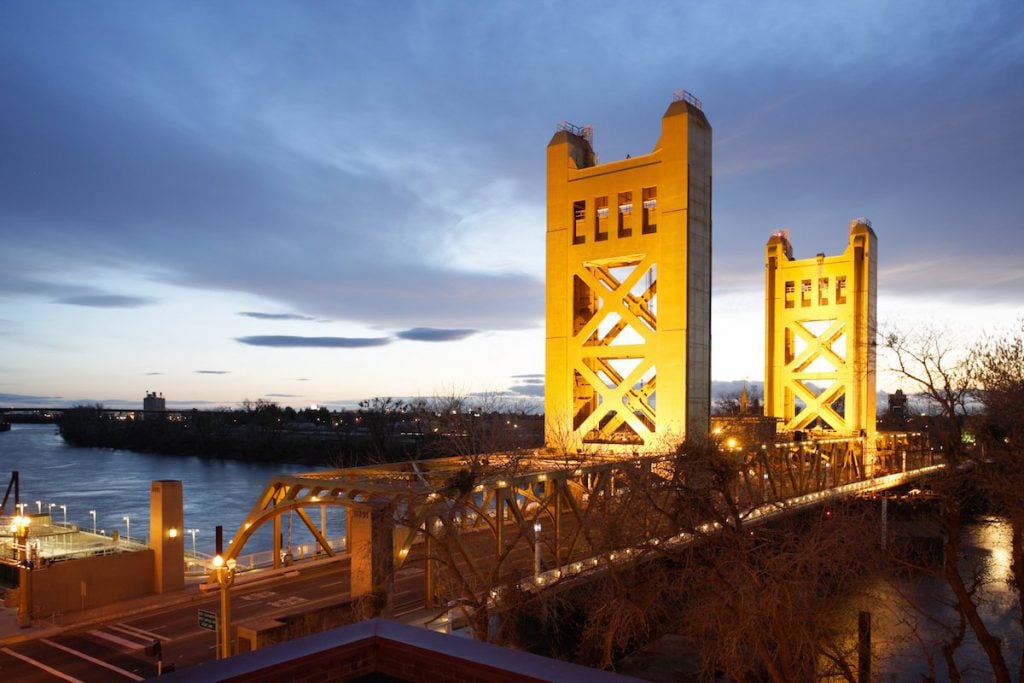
[(913, 616)]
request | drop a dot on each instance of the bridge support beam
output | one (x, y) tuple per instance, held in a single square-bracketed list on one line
[(371, 546), (167, 535)]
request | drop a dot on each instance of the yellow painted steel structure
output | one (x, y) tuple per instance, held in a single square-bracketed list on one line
[(484, 516), (820, 336), (629, 289)]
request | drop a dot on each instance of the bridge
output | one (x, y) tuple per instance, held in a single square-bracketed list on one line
[(469, 524)]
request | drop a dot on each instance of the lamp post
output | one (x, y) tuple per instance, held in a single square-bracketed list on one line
[(224, 574), (93, 513), (127, 528), (19, 527), (39, 506), (49, 510), (194, 532), (64, 509), (536, 549)]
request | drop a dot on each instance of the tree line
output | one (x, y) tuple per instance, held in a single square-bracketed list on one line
[(381, 430)]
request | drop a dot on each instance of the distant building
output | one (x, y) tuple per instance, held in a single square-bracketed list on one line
[(898, 404), (153, 402)]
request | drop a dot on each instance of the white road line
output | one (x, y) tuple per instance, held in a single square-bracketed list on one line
[(108, 665), (47, 669), (133, 631), (130, 644)]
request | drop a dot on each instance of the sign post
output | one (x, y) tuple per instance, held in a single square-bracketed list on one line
[(208, 621)]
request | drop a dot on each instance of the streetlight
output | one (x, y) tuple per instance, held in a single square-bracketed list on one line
[(536, 549), (64, 509), (127, 528), (49, 510), (224, 574), (19, 527), (93, 513), (194, 532), (39, 506)]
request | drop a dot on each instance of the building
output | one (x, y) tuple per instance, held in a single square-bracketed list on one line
[(628, 362), (152, 403)]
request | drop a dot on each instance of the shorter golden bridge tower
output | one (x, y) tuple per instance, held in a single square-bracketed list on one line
[(628, 364), (820, 336)]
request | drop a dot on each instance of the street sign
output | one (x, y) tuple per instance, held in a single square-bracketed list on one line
[(207, 620)]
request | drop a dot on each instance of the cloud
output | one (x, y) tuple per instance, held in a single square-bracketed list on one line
[(290, 341), (529, 375), (284, 395), (434, 334), (213, 372), (28, 399), (301, 379), (153, 374), (107, 301), (536, 390), (275, 316)]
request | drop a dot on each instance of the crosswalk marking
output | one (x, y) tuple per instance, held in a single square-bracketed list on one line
[(40, 665), (132, 630), (130, 644), (107, 665)]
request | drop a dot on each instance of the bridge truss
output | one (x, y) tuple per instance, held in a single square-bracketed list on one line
[(471, 524)]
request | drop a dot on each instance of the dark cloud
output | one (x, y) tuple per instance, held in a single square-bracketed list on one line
[(536, 390), (153, 374), (434, 334), (27, 399), (213, 372), (107, 301), (289, 341), (275, 316), (529, 375)]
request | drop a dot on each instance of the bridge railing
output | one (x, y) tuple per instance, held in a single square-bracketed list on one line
[(200, 563)]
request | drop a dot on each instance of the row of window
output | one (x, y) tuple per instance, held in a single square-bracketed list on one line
[(836, 293), (597, 225)]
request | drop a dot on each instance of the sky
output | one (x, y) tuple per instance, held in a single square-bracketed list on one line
[(316, 203)]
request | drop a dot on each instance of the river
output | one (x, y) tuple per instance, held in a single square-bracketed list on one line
[(116, 484)]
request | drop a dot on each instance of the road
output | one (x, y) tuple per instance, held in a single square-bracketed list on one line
[(115, 650)]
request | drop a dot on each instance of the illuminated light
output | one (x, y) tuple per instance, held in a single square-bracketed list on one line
[(218, 562), (172, 532), (731, 442)]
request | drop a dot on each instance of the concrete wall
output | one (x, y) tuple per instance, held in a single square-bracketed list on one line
[(91, 582)]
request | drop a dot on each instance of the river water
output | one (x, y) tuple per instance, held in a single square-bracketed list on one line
[(914, 616), (116, 484)]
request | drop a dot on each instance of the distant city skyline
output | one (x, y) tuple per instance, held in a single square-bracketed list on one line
[(317, 204)]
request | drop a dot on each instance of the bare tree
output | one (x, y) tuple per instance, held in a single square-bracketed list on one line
[(941, 370)]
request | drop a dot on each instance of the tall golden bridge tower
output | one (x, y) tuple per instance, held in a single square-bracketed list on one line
[(629, 289), (820, 336)]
